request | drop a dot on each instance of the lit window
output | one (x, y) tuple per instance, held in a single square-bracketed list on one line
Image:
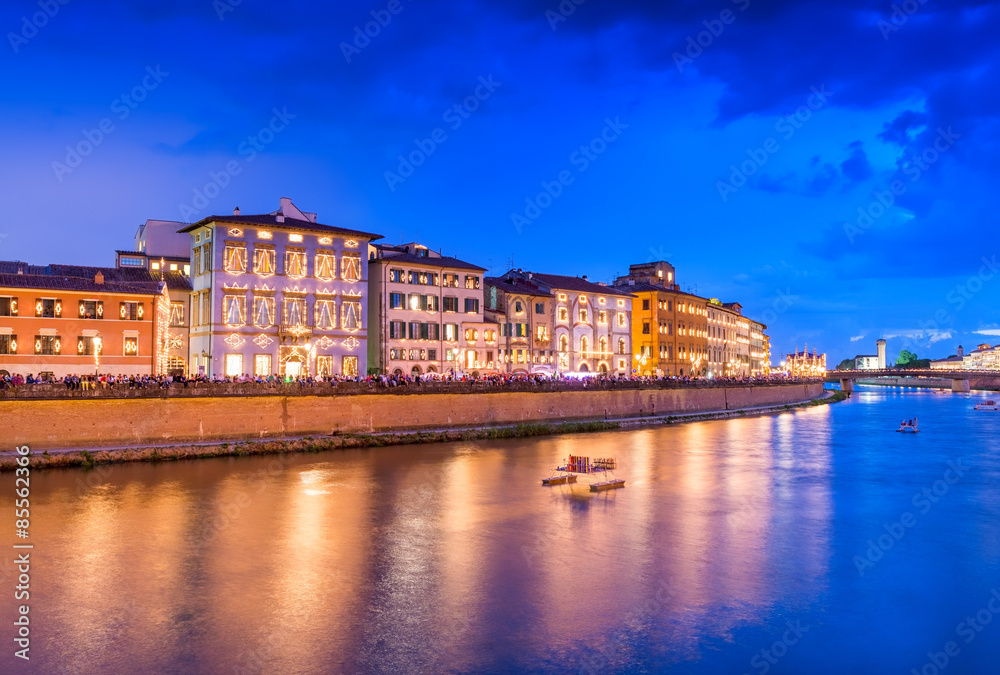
[(263, 312), (350, 267), (264, 261), (234, 365), (173, 267), (155, 265), (350, 315), (295, 237), (235, 258), (131, 346), (235, 309), (295, 264), (262, 364), (295, 311), (326, 314), (326, 266)]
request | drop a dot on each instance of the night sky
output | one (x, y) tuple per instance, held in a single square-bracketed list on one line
[(740, 140)]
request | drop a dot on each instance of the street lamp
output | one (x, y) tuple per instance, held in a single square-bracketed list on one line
[(97, 354)]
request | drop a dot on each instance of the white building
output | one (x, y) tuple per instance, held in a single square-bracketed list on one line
[(872, 361)]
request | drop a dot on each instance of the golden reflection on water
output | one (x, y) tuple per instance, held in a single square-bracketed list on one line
[(425, 557)]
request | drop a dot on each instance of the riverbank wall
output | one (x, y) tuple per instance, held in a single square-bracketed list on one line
[(101, 423)]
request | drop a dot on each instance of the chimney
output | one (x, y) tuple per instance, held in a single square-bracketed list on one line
[(584, 277), (99, 278), (236, 211), (280, 218)]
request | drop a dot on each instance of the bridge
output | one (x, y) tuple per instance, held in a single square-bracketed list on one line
[(961, 380)]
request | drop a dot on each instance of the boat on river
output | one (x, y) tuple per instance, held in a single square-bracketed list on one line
[(908, 426), (988, 405)]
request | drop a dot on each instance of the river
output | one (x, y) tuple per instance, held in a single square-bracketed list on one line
[(815, 541)]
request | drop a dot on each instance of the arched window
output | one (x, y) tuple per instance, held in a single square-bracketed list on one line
[(604, 345), (584, 345), (563, 343), (621, 345)]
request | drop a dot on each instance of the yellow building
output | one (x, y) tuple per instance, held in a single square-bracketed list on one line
[(669, 326)]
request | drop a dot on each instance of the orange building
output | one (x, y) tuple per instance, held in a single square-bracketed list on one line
[(669, 326), (57, 320)]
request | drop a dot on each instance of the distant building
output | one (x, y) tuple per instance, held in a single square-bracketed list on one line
[(953, 362), (760, 349), (802, 363), (58, 320), (426, 313), (983, 357), (872, 361), (278, 293), (524, 310)]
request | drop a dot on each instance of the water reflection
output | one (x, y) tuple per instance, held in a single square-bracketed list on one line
[(453, 558)]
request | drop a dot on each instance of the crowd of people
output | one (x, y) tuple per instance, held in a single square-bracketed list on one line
[(88, 382)]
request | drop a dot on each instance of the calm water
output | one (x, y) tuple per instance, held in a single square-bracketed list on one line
[(732, 537)]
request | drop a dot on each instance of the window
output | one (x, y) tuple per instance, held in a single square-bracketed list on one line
[(621, 364), (8, 306), (563, 314), (584, 345), (324, 366), (48, 345), (396, 276), (451, 333), (539, 308), (450, 280), (602, 317), (518, 307), (562, 297), (621, 319), (176, 313), (397, 330), (490, 335), (263, 263), (350, 366), (432, 354), (85, 345), (450, 304), (262, 364), (430, 303), (295, 311), (471, 282), (131, 262), (235, 310), (325, 313), (48, 308), (563, 343), (350, 267), (542, 333), (350, 315), (583, 316), (604, 345), (621, 345), (196, 255), (670, 328), (295, 263), (263, 311), (206, 308), (131, 347), (91, 309), (645, 304), (326, 266), (645, 328), (234, 365), (130, 311), (234, 258), (8, 343), (472, 304), (397, 301)]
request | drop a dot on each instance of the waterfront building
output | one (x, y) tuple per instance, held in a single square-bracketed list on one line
[(277, 293), (426, 313), (728, 340), (175, 271), (590, 324), (669, 326), (760, 355), (953, 362), (804, 364), (872, 361), (525, 310), (58, 320), (983, 357)]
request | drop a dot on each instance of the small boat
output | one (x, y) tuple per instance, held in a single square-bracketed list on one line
[(988, 405), (559, 480), (908, 426), (607, 484)]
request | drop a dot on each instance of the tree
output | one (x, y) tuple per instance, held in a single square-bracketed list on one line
[(846, 364), (905, 357)]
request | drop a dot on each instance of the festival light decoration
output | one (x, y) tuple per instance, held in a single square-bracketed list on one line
[(326, 241), (235, 341), (264, 234), (263, 341)]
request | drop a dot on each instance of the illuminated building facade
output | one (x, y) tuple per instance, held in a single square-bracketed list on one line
[(669, 326), (871, 361), (590, 324), (58, 320), (804, 364), (525, 311), (953, 362), (277, 293), (760, 350), (728, 340), (428, 310), (983, 357)]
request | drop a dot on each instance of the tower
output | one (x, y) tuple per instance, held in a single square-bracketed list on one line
[(881, 353)]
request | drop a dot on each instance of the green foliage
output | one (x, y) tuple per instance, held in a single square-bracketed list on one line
[(905, 357), (846, 364)]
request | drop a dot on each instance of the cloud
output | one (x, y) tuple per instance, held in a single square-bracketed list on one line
[(857, 337), (932, 335), (987, 331)]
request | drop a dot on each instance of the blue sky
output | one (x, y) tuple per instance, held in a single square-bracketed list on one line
[(740, 141)]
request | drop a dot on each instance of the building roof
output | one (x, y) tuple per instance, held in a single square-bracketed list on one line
[(578, 284), (516, 285), (953, 357), (47, 282), (154, 258), (445, 262), (271, 220)]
